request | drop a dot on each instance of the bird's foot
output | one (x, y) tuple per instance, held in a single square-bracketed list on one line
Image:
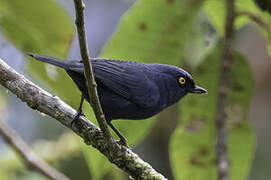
[(76, 117), (123, 142)]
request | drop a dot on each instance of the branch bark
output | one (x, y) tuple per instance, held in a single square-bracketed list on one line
[(90, 80), (223, 162), (51, 105), (30, 158), (258, 20)]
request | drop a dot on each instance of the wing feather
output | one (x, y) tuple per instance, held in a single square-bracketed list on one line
[(127, 79)]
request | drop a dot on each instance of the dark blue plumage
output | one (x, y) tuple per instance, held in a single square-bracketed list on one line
[(130, 90)]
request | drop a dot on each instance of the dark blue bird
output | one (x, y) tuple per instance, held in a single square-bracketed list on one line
[(129, 90)]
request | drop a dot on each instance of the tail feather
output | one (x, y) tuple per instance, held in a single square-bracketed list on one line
[(54, 61)]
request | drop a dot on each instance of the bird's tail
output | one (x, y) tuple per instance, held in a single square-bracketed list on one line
[(54, 61)]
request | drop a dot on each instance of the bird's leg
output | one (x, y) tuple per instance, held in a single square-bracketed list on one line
[(122, 140), (79, 111)]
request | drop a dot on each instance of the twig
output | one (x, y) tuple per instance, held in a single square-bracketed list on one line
[(90, 81), (65, 147), (30, 158), (58, 150), (39, 99), (223, 89), (258, 20)]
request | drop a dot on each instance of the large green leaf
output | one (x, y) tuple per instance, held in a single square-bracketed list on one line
[(152, 31), (192, 148), (98, 164), (241, 137), (40, 26)]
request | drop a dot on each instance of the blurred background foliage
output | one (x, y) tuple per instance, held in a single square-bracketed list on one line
[(179, 142)]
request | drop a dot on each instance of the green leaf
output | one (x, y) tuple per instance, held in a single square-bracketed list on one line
[(154, 31), (192, 148), (98, 164), (241, 136), (41, 26)]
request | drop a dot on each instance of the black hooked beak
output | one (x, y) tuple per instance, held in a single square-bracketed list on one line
[(197, 90)]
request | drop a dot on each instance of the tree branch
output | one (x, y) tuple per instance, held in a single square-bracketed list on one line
[(223, 90), (30, 158), (90, 80), (258, 20), (57, 151), (51, 105)]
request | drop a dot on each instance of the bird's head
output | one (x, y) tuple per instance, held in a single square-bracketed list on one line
[(186, 82), (178, 82)]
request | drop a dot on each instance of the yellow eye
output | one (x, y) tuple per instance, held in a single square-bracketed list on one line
[(181, 80)]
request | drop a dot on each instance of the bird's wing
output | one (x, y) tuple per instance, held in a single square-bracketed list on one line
[(126, 79)]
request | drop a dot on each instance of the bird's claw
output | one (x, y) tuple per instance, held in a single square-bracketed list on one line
[(76, 117), (82, 114), (123, 142)]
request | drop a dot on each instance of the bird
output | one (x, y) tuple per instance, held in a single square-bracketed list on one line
[(128, 89)]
